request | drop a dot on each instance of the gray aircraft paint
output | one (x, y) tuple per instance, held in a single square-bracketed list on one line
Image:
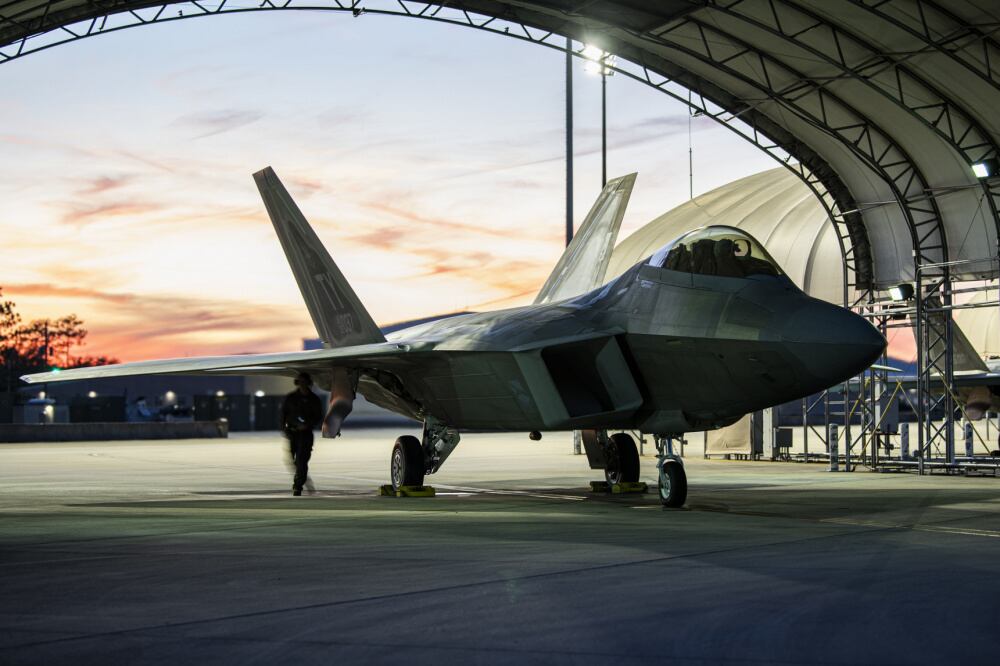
[(656, 349), (336, 311)]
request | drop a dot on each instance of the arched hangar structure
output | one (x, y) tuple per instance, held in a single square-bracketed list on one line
[(882, 107)]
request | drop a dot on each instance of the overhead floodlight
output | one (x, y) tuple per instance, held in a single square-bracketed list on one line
[(170, 396), (987, 168), (259, 393), (220, 394), (92, 394), (598, 61), (901, 292)]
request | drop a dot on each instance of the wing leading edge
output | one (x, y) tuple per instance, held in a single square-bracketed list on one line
[(285, 363)]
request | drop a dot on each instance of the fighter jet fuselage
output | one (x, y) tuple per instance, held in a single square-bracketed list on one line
[(655, 350)]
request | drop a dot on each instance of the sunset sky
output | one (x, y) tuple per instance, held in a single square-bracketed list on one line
[(428, 157)]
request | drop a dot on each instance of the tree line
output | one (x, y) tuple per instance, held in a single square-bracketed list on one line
[(41, 345)]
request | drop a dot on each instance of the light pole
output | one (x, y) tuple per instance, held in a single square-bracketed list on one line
[(604, 128), (601, 62), (569, 140)]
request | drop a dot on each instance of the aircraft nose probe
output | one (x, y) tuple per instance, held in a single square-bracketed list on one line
[(832, 343)]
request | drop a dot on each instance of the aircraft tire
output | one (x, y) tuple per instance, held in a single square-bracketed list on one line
[(406, 465), (621, 459), (672, 484)]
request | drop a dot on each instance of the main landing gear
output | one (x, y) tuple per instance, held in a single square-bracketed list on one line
[(414, 458), (407, 466), (621, 459)]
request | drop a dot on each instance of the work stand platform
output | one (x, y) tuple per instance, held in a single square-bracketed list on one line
[(619, 488), (406, 491)]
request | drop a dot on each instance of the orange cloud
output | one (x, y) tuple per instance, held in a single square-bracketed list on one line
[(103, 184), (410, 216), (305, 187), (134, 327), (81, 216)]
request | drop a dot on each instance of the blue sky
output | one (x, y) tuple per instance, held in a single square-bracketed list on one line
[(428, 157)]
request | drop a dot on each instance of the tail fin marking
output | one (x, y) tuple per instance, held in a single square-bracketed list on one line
[(340, 318)]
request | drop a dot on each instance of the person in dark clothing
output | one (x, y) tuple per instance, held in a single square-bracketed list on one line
[(301, 412)]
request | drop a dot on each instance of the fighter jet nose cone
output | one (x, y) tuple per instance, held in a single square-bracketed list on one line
[(833, 344)]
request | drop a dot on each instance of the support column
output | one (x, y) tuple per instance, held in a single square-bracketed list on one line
[(767, 434), (604, 127), (831, 439)]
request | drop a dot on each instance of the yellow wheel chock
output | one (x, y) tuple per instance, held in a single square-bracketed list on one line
[(619, 488), (406, 491)]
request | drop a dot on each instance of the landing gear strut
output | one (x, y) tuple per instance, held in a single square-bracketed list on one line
[(672, 480), (414, 458)]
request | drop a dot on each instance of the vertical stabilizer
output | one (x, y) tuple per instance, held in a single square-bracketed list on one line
[(585, 261), (340, 318)]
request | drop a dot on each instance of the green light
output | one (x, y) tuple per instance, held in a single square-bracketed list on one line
[(55, 370)]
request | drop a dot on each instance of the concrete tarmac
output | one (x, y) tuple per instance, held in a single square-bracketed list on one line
[(195, 552)]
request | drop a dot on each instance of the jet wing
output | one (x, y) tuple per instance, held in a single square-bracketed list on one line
[(383, 354), (585, 261), (960, 380)]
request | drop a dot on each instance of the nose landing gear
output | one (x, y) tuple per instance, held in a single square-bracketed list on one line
[(671, 478)]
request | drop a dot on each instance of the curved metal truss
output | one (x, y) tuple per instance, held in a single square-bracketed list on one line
[(817, 106), (943, 32), (887, 75), (700, 96)]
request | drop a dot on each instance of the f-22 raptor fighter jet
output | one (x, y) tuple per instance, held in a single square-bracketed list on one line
[(702, 332)]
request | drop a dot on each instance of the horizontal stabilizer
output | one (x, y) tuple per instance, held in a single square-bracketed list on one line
[(585, 260), (340, 318)]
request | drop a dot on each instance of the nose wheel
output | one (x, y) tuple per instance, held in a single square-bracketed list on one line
[(672, 483), (671, 478)]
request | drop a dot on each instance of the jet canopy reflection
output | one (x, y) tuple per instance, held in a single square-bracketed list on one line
[(716, 250)]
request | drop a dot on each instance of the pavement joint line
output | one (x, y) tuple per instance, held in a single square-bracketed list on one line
[(165, 505), (291, 516), (501, 648), (247, 525), (452, 588), (919, 527)]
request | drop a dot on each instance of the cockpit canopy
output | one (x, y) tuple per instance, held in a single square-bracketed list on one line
[(716, 250)]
